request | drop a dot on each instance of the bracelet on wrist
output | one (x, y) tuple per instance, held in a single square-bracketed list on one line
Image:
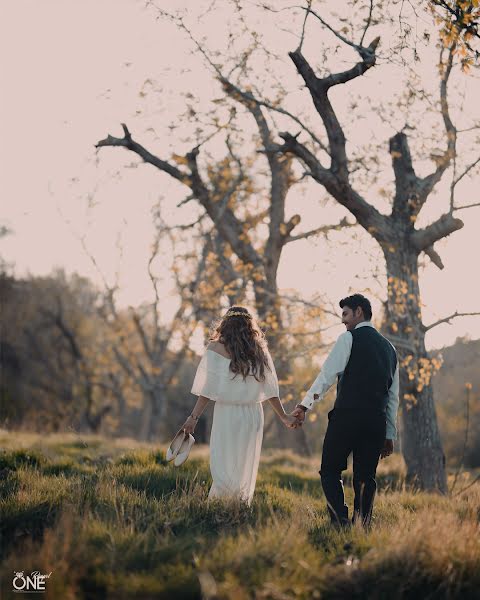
[(304, 408)]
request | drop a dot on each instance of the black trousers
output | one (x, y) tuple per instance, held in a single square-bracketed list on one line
[(350, 431)]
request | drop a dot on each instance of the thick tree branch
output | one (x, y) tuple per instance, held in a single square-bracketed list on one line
[(219, 212), (442, 227), (280, 180), (434, 257), (443, 161), (319, 87), (323, 230), (250, 102), (223, 216), (280, 167), (58, 320), (319, 92), (317, 170), (405, 201), (128, 143), (448, 319), (366, 214), (369, 59), (280, 170), (247, 98)]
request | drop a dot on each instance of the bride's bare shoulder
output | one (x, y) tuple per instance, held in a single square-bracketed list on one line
[(218, 348)]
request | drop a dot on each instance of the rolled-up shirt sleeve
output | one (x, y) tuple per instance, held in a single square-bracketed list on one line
[(334, 364), (392, 406)]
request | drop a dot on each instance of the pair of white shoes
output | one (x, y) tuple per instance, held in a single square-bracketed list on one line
[(180, 448)]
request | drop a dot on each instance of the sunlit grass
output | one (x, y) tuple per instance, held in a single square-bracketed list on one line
[(123, 523)]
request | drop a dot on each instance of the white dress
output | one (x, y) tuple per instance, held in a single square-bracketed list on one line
[(237, 429)]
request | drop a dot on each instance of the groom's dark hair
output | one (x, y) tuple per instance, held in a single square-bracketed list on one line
[(355, 301)]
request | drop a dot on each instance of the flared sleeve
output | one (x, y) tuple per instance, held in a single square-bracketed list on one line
[(270, 385), (215, 381), (208, 377)]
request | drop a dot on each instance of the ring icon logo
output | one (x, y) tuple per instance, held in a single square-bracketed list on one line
[(33, 583)]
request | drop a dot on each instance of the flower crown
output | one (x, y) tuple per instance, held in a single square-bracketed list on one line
[(237, 313)]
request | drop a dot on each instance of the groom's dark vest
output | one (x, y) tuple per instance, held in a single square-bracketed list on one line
[(369, 372)]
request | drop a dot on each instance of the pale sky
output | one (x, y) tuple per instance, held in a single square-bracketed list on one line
[(72, 72)]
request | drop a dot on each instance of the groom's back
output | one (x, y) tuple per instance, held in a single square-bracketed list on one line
[(369, 372)]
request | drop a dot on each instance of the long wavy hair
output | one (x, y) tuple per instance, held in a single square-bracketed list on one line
[(244, 341)]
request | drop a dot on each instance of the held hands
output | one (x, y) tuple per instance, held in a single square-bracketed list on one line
[(299, 415), (294, 419), (290, 421)]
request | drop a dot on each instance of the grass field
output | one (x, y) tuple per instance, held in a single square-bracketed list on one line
[(110, 519)]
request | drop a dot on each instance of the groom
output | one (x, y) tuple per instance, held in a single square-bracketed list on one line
[(363, 419)]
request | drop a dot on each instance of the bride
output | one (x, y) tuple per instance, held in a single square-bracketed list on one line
[(237, 373)]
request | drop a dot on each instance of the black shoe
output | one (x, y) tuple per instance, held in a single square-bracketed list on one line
[(341, 525)]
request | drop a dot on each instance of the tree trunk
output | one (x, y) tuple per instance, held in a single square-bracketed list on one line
[(421, 443), (146, 417), (122, 413)]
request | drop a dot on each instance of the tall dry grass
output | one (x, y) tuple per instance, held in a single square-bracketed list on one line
[(113, 520)]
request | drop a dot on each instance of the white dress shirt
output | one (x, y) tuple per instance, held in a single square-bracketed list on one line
[(334, 366)]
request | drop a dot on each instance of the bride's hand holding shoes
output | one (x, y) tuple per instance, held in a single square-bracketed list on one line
[(189, 425)]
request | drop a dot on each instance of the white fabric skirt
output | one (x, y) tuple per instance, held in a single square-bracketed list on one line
[(235, 447)]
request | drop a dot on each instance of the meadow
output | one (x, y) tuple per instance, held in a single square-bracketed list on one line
[(111, 519)]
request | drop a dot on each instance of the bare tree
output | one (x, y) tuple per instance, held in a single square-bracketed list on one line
[(83, 363), (148, 353), (223, 192), (221, 189), (50, 332), (401, 242)]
